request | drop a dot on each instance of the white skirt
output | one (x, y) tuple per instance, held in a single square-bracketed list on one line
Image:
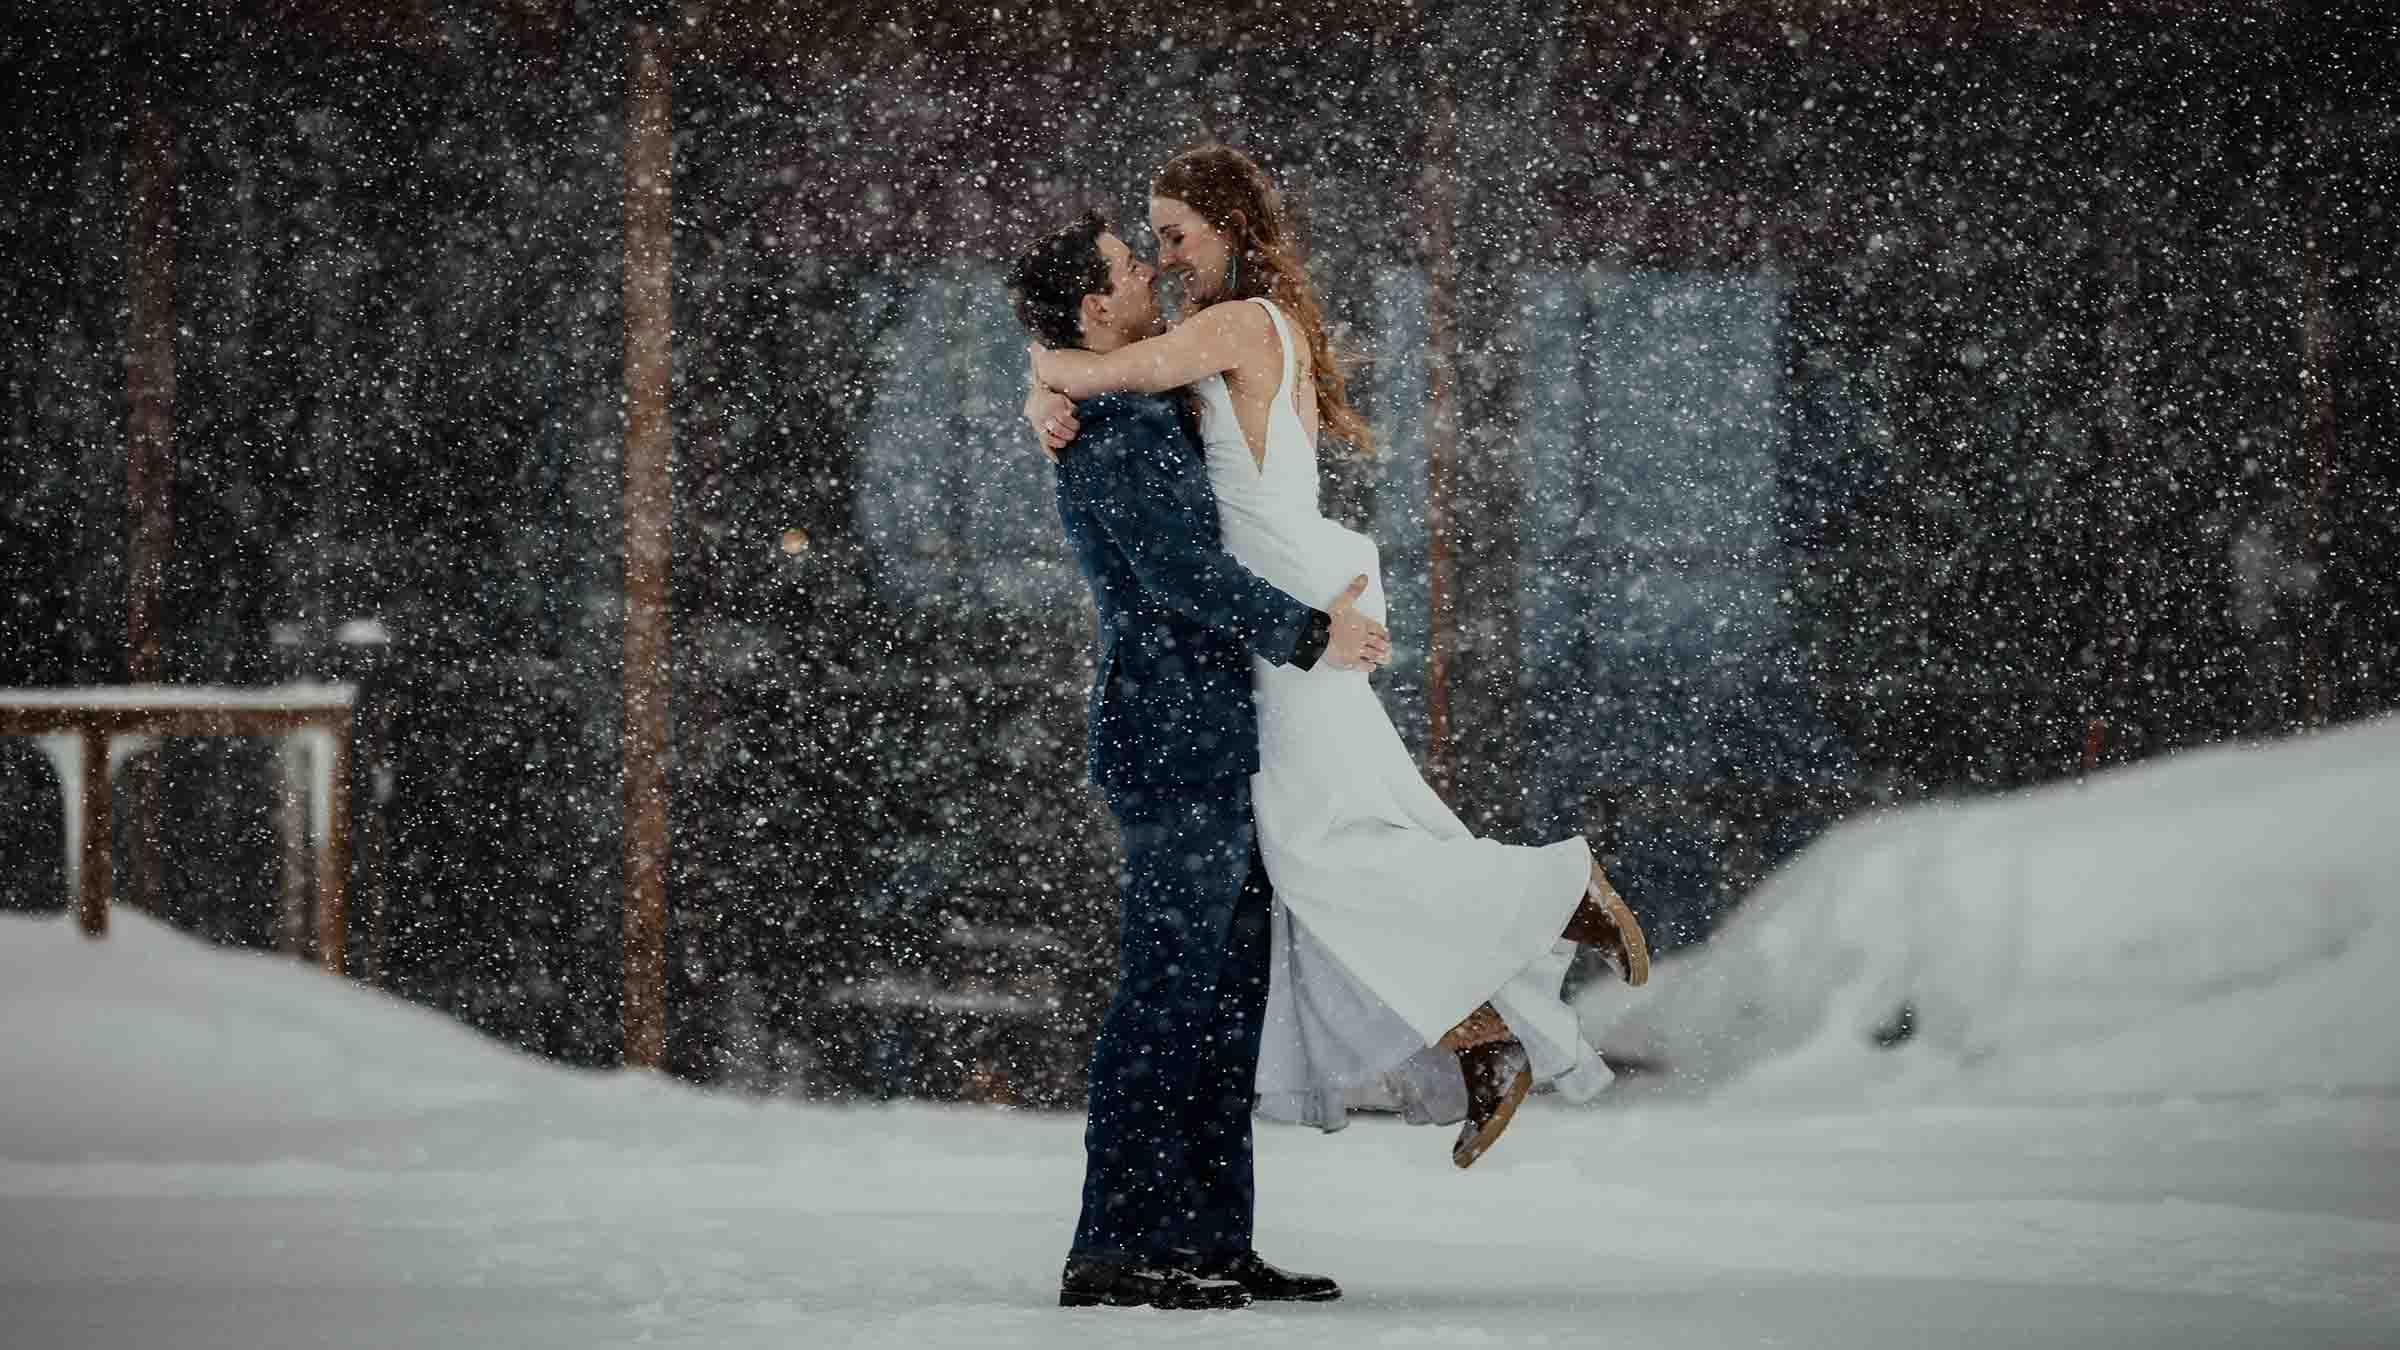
[(1392, 922)]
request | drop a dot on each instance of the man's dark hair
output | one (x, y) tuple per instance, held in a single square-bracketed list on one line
[(1051, 278)]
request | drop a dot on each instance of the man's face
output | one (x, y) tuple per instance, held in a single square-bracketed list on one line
[(1130, 305)]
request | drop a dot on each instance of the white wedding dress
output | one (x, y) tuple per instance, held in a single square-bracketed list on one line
[(1392, 922)]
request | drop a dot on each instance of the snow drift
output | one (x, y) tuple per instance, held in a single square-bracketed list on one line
[(2224, 921)]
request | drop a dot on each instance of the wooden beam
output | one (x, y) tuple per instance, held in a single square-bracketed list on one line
[(149, 383), (149, 454), (170, 712), (649, 519), (1439, 223)]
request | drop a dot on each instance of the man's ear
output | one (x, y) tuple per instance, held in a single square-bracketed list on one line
[(1093, 311)]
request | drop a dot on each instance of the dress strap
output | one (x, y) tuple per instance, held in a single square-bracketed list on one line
[(1283, 333)]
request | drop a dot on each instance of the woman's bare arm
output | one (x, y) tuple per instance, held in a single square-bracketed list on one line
[(1211, 342)]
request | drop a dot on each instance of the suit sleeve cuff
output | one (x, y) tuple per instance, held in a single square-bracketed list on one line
[(1314, 634)]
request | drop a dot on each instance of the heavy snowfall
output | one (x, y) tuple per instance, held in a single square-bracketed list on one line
[(1913, 483), (2141, 1095)]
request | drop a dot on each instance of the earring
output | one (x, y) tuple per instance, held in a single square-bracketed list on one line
[(1233, 274)]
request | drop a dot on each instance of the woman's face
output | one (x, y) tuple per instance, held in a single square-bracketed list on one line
[(1191, 249)]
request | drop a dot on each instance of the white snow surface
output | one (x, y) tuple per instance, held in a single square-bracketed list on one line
[(2223, 922), (2148, 1102)]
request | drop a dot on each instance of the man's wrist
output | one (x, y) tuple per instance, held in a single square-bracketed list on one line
[(1314, 634)]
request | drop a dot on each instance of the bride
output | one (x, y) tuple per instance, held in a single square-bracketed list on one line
[(1406, 949)]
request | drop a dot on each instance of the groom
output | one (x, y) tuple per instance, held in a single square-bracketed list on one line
[(1168, 1194)]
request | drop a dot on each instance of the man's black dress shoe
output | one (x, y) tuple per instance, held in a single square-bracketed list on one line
[(1266, 1283), (1105, 1284)]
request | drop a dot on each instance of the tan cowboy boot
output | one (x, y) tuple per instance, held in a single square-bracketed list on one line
[(1498, 1076), (1480, 1027), (1603, 920)]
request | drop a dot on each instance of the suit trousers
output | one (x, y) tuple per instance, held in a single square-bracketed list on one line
[(1167, 1171)]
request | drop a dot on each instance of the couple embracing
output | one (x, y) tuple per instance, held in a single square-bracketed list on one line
[(1302, 914)]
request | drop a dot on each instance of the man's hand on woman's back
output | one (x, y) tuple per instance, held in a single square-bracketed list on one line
[(1355, 641)]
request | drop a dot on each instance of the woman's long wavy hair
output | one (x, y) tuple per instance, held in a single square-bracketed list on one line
[(1230, 192)]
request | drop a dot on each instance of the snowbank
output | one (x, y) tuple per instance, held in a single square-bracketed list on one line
[(222, 1150), (151, 1037), (2222, 922), (153, 1058)]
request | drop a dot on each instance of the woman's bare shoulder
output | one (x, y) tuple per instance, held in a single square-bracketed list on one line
[(1236, 318), (1245, 327)]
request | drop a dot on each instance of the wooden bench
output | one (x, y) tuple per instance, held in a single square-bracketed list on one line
[(88, 718)]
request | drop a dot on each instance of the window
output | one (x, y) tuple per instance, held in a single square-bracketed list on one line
[(1656, 641), (1656, 644), (955, 504)]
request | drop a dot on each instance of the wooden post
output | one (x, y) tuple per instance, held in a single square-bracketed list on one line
[(1439, 199), (333, 850), (92, 870), (149, 451), (149, 383), (649, 511)]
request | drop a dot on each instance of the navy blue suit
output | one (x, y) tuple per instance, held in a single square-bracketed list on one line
[(1173, 742)]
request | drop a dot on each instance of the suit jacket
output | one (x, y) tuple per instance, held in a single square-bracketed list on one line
[(1179, 619)]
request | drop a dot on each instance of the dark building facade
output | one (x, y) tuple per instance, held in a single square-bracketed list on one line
[(1802, 408)]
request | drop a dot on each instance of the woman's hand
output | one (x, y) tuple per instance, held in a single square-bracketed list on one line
[(1051, 414)]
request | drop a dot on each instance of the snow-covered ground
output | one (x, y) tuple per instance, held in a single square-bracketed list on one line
[(2147, 1100)]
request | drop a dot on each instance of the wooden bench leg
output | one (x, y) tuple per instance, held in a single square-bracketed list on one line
[(333, 855), (93, 868)]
